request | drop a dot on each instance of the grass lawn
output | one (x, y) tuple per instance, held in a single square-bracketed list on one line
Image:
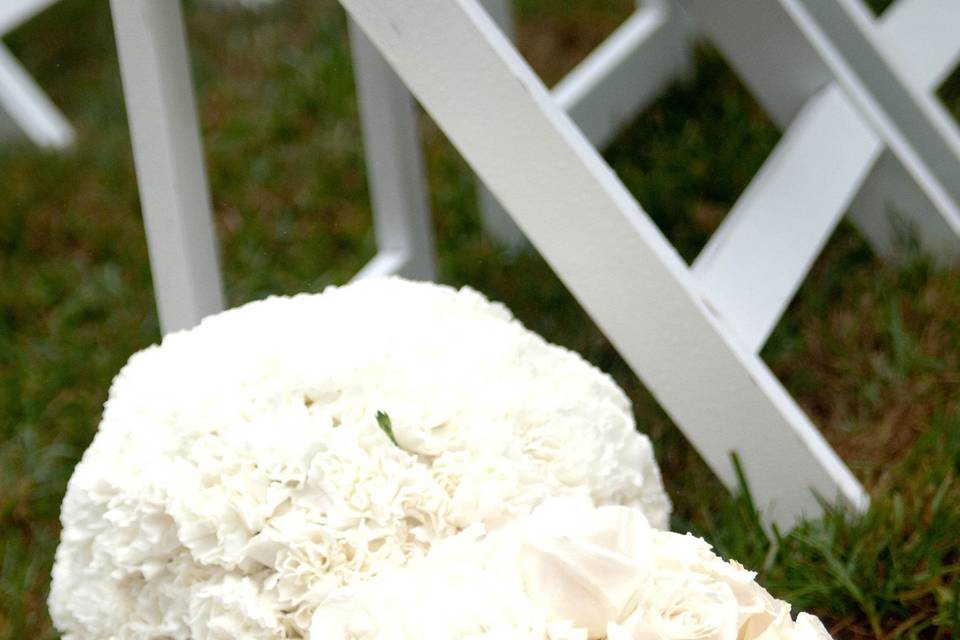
[(870, 349)]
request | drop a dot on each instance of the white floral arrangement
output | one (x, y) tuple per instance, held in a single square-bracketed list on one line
[(569, 571), (249, 468)]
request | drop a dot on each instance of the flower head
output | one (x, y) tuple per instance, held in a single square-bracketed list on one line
[(568, 571), (240, 473)]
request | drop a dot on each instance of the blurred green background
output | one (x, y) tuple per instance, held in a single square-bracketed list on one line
[(870, 349)]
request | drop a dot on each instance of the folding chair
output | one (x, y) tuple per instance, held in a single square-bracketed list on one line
[(692, 341), (21, 100), (699, 359)]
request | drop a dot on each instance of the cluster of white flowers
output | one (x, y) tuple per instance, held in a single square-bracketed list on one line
[(569, 571), (239, 475)]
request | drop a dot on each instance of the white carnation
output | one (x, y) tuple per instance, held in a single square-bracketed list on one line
[(568, 571), (239, 475)]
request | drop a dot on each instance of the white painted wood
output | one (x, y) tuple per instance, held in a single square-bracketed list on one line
[(781, 66), (764, 47), (614, 83), (502, 14), (892, 211), (385, 263), (22, 102), (13, 13), (395, 172), (167, 152), (626, 73), (496, 221), (757, 259), (914, 124), (28, 106), (606, 250), (922, 39)]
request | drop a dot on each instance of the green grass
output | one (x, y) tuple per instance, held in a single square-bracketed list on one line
[(871, 350)]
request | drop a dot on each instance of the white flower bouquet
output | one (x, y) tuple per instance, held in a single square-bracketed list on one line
[(569, 571), (247, 470)]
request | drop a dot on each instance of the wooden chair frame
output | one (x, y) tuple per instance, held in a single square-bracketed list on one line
[(857, 134)]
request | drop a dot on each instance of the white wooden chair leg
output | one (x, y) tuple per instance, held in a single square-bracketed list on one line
[(175, 198), (606, 250), (28, 106), (395, 173)]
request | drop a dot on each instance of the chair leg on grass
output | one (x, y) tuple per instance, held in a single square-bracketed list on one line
[(167, 153), (395, 172)]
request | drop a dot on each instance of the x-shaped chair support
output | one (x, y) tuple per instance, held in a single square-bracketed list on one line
[(691, 335), (863, 131), (607, 251), (608, 88)]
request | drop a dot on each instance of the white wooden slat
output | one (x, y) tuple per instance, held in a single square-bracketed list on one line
[(615, 82), (892, 211), (496, 221), (914, 124), (782, 68), (757, 259), (13, 13), (385, 263), (174, 195), (922, 38), (628, 71), (764, 47), (395, 172), (29, 107), (606, 250), (502, 13)]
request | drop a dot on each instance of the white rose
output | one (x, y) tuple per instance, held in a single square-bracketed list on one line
[(810, 627), (807, 627), (585, 565), (683, 606), (757, 608)]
